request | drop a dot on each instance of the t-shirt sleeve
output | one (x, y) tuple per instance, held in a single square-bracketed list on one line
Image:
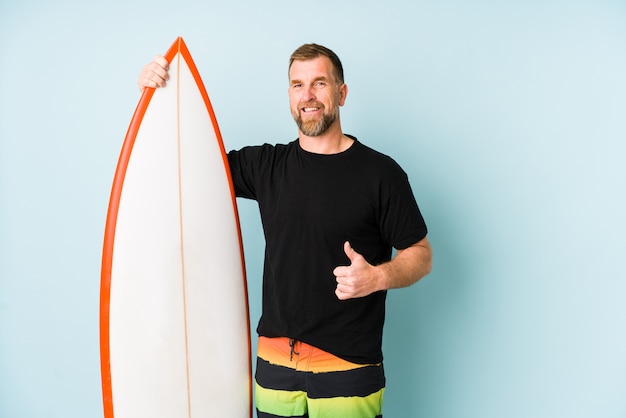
[(401, 221), (244, 166)]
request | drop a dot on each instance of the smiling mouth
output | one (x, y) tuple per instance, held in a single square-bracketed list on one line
[(311, 107)]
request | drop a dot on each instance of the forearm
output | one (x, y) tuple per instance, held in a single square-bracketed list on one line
[(360, 278), (408, 266)]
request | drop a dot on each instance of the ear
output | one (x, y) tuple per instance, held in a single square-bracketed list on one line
[(343, 93)]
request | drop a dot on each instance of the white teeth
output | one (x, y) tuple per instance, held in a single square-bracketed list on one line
[(310, 109)]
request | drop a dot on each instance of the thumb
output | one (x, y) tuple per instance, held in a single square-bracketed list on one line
[(352, 255)]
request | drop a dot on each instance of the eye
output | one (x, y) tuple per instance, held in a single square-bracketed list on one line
[(319, 84), (296, 85)]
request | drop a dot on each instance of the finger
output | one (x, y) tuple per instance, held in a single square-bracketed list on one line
[(160, 70), (340, 271), (155, 74), (341, 295), (350, 252), (343, 284), (162, 62), (152, 77)]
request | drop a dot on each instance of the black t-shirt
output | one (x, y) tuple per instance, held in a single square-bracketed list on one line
[(310, 205)]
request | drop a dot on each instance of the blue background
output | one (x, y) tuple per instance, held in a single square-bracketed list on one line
[(508, 116)]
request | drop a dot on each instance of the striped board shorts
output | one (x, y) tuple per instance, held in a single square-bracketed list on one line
[(295, 379)]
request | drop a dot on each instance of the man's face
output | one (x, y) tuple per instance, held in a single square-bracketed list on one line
[(314, 95)]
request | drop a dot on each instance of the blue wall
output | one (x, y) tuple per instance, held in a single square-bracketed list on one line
[(509, 117)]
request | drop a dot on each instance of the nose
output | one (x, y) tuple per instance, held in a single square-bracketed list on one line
[(307, 94)]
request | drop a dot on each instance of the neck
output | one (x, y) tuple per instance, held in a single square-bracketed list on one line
[(333, 141)]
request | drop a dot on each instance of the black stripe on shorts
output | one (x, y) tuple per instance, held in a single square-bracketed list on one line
[(361, 382)]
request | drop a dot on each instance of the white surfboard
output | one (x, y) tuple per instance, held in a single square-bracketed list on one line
[(175, 334)]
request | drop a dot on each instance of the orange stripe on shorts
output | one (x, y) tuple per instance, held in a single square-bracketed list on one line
[(305, 357)]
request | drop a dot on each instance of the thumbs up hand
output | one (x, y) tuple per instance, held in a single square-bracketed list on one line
[(359, 279)]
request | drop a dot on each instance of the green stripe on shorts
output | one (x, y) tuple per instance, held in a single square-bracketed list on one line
[(281, 402), (353, 407)]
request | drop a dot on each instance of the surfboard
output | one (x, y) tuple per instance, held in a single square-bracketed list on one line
[(174, 323)]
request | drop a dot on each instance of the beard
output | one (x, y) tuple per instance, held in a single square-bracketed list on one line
[(316, 127)]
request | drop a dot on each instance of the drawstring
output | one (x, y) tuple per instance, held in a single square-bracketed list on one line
[(292, 344)]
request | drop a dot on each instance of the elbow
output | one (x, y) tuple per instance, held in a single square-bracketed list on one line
[(427, 263)]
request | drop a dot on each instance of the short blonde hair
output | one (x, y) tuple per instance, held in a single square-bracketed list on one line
[(311, 51)]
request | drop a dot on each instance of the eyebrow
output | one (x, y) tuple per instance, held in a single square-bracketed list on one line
[(320, 78)]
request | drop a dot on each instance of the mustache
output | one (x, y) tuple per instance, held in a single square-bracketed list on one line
[(310, 103)]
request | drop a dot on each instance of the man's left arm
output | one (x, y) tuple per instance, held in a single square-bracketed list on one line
[(360, 278)]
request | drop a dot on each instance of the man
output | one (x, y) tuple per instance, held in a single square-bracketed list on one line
[(332, 209)]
